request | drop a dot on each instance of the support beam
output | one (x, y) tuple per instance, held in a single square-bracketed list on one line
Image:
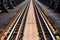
[(9, 5), (2, 8)]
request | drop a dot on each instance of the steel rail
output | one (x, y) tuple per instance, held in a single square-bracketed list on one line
[(51, 27), (41, 25), (14, 26), (4, 33), (46, 23), (21, 25)]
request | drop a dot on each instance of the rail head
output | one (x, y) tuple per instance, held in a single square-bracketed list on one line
[(15, 25), (50, 25), (46, 23), (10, 25)]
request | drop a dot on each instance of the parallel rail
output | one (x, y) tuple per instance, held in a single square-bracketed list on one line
[(44, 24), (45, 31), (11, 36), (22, 26), (17, 30), (49, 24), (7, 30)]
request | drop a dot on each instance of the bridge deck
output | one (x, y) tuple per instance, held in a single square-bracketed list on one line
[(31, 32)]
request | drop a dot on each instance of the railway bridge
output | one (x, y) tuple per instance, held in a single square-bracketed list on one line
[(29, 19)]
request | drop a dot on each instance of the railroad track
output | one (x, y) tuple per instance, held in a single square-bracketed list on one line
[(44, 27), (50, 27), (30, 25), (10, 29), (43, 31), (14, 32)]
